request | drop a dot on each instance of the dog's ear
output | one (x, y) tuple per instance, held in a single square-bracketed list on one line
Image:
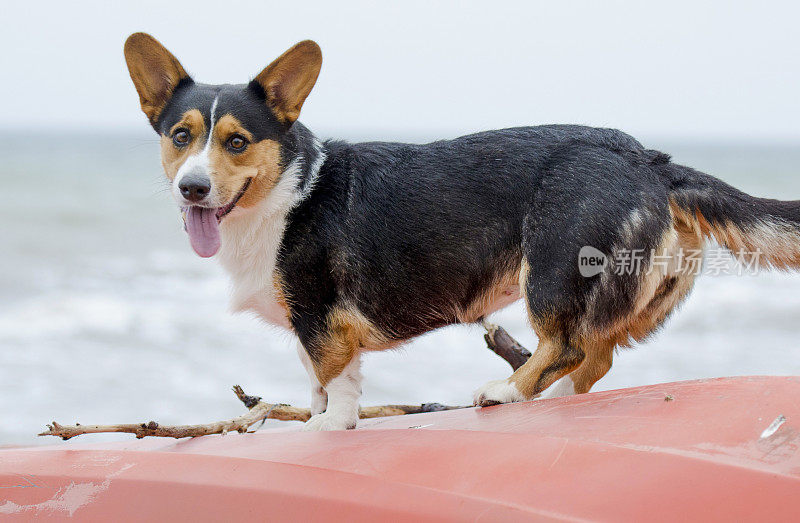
[(154, 71), (289, 79)]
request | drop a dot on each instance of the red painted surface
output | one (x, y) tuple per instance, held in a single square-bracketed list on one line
[(624, 455)]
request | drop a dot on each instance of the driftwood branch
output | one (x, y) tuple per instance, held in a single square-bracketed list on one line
[(497, 339), (258, 411), (501, 342)]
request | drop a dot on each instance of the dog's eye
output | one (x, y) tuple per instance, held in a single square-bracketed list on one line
[(181, 137), (237, 143)]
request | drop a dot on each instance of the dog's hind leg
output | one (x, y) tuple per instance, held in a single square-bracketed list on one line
[(554, 317), (602, 208), (662, 292), (599, 357), (553, 358), (596, 365)]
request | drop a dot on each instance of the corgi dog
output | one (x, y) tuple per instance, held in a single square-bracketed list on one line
[(361, 247)]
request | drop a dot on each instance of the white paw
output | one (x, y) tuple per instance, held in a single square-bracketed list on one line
[(497, 391), (331, 420), (319, 400)]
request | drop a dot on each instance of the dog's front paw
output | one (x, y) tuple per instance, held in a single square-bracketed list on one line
[(331, 420), (496, 392)]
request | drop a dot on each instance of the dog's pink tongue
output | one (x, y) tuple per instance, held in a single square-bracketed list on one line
[(203, 229)]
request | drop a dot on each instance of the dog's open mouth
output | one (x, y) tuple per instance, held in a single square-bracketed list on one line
[(202, 224), (222, 211)]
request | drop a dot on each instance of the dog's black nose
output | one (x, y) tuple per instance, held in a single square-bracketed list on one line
[(194, 187)]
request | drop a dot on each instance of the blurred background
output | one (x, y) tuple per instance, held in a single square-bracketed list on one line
[(106, 314)]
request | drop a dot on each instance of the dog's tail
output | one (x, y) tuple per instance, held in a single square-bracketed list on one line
[(761, 228)]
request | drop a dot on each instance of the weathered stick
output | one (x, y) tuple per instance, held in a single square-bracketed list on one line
[(496, 338), (504, 345), (259, 411)]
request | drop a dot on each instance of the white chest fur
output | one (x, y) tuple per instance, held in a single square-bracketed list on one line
[(250, 261), (250, 243)]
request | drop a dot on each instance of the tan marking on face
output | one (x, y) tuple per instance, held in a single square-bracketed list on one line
[(173, 157), (348, 332), (230, 170)]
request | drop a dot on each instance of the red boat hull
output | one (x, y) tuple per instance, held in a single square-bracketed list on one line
[(680, 451)]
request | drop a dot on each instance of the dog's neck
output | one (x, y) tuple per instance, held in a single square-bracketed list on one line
[(251, 238)]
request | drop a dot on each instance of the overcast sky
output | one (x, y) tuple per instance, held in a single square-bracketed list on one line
[(674, 70)]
